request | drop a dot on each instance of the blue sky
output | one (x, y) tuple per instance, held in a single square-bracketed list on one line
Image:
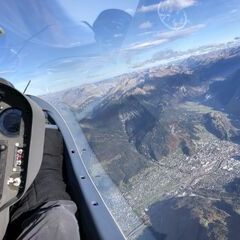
[(59, 44)]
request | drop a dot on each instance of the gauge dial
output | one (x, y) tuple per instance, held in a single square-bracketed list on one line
[(10, 121)]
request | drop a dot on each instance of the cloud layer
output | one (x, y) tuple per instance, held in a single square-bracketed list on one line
[(145, 25), (163, 37), (170, 4)]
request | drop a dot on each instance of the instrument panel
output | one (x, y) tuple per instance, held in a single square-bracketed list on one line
[(12, 140), (22, 129)]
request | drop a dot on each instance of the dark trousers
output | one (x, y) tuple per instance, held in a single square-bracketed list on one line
[(46, 210), (54, 220)]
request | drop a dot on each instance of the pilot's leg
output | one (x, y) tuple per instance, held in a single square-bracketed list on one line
[(46, 210), (54, 220)]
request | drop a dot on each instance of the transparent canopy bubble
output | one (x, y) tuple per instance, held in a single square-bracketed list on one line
[(43, 22)]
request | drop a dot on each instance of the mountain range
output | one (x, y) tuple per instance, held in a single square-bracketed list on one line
[(168, 137)]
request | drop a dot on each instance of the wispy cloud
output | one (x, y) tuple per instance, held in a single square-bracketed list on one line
[(147, 33), (148, 44), (146, 25), (163, 37), (130, 11), (181, 33), (233, 11), (117, 35), (172, 4)]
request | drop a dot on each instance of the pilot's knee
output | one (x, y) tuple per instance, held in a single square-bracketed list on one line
[(63, 222), (59, 222)]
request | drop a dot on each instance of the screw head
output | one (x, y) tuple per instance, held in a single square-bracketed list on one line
[(94, 203)]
